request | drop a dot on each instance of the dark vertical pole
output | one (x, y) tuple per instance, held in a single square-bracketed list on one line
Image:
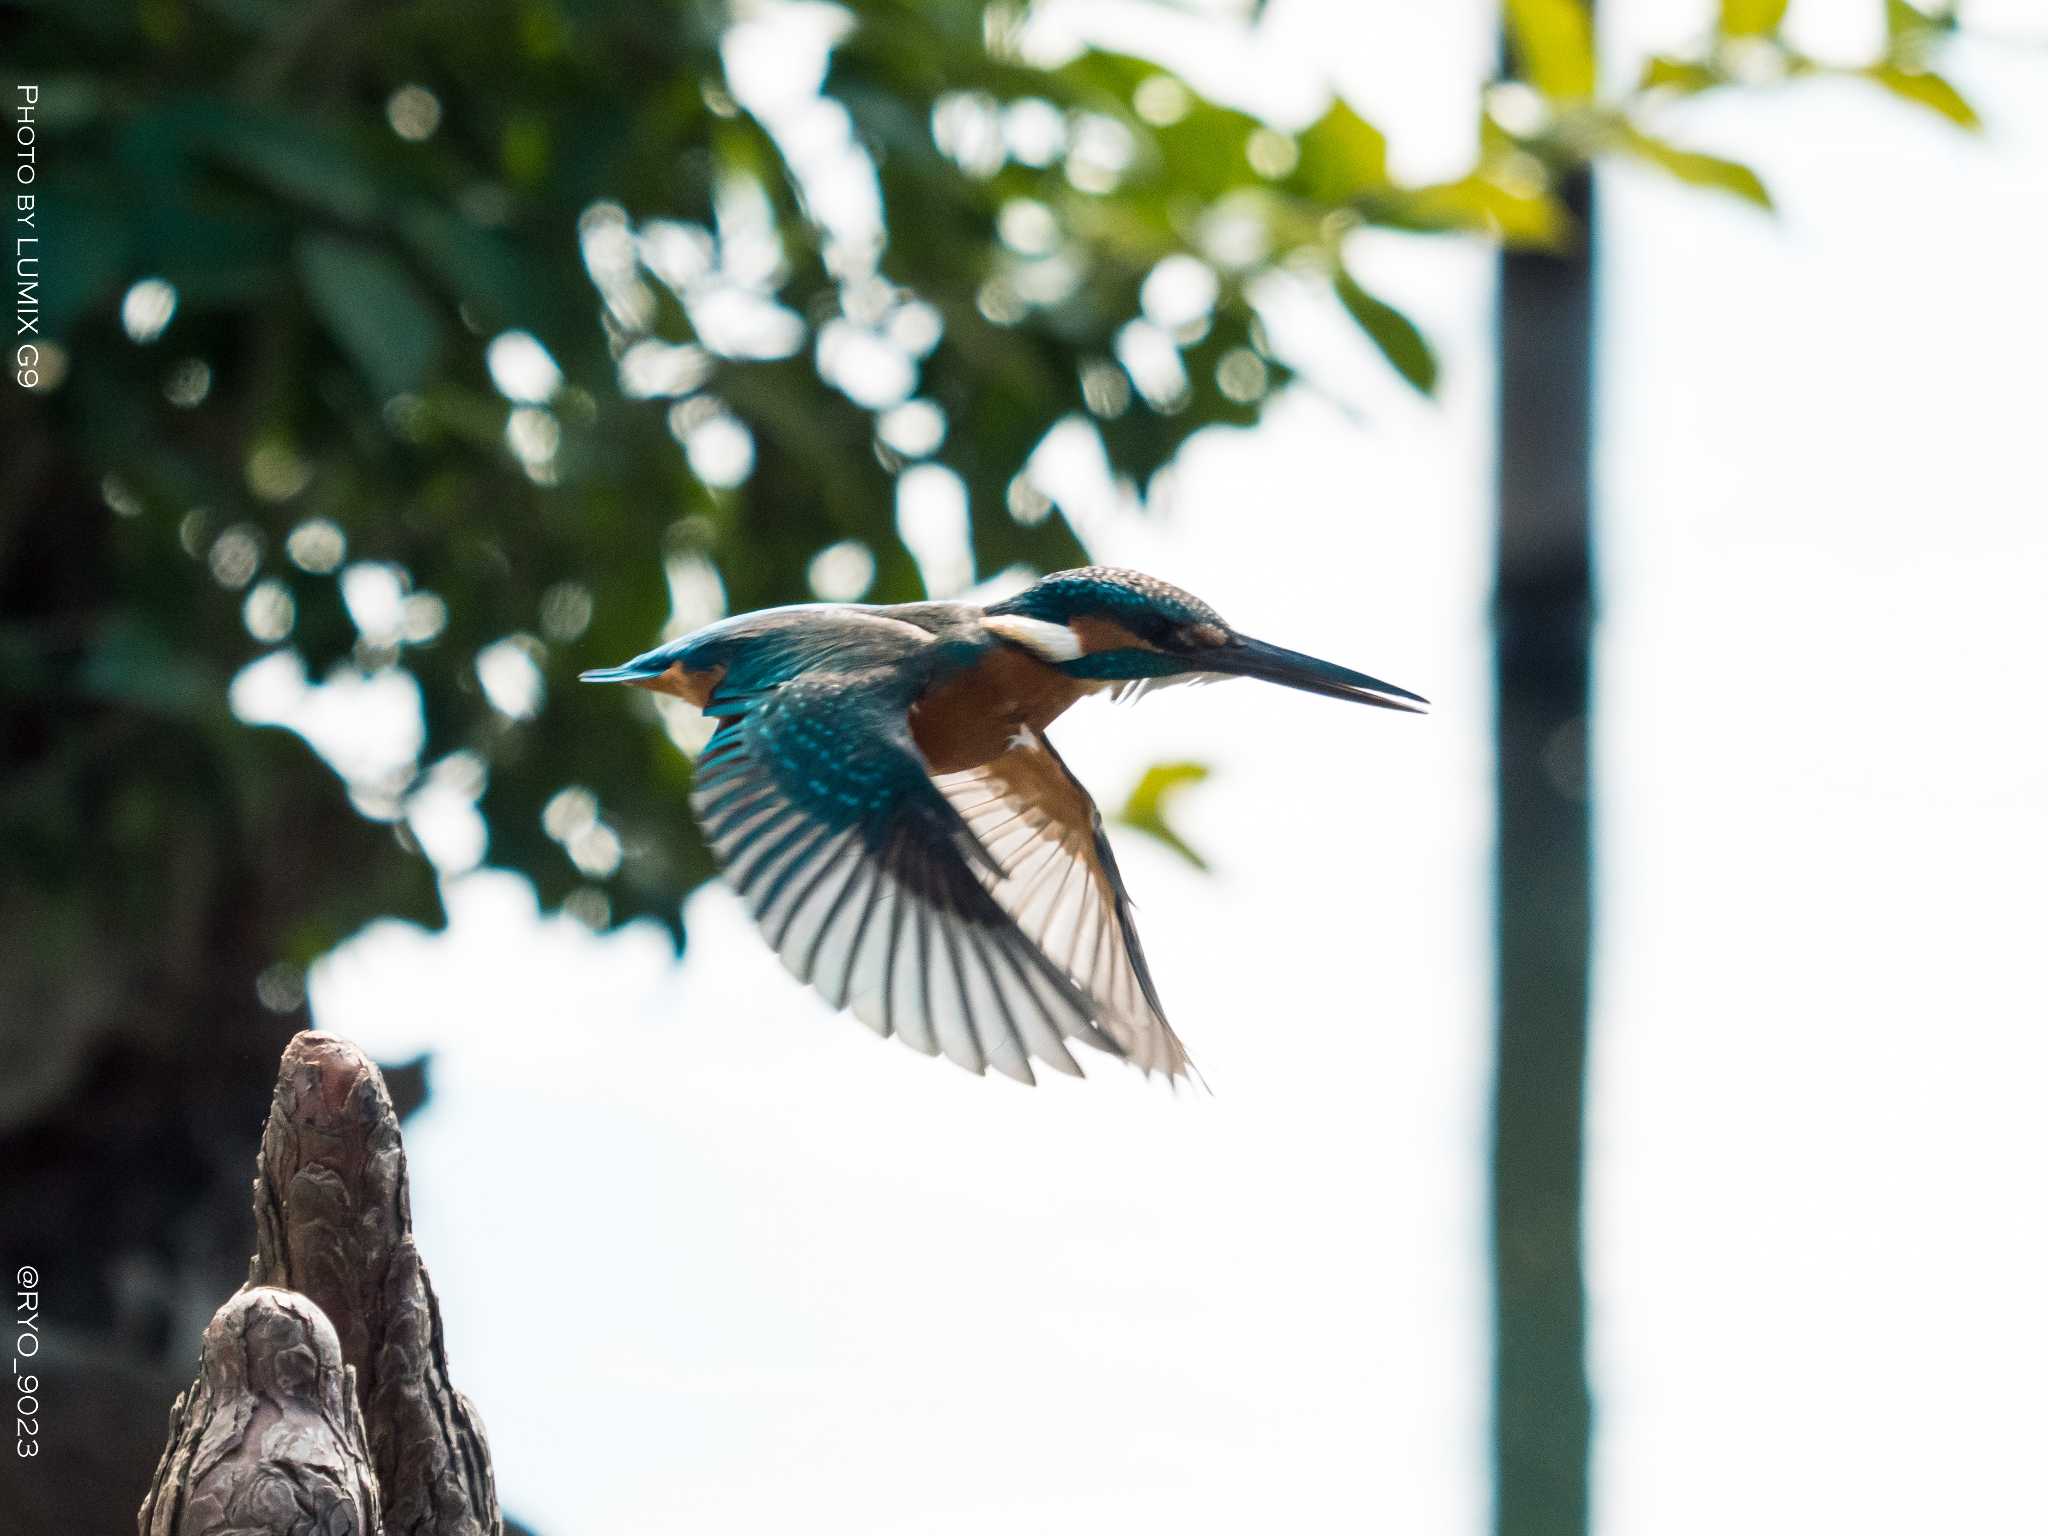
[(1542, 616)]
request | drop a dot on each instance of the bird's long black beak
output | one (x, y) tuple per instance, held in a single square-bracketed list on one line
[(637, 671), (1242, 657)]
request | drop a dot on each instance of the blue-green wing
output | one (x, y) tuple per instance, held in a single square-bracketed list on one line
[(869, 884)]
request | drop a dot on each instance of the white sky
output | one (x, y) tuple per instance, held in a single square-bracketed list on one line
[(711, 1258)]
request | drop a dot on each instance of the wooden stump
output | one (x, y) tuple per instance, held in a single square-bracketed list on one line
[(334, 1250), (269, 1438)]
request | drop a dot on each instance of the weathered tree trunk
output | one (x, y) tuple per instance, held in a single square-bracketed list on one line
[(1543, 602), (269, 1439), (334, 1221), (334, 1237)]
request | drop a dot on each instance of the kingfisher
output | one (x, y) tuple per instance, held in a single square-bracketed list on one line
[(880, 790)]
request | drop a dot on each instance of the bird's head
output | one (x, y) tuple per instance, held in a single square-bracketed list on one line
[(1102, 624)]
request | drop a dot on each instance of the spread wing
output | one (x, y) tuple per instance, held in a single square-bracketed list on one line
[(869, 884), (1060, 885)]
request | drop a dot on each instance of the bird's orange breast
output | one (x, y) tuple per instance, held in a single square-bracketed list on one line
[(972, 717)]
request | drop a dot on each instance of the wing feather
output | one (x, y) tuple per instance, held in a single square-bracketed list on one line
[(1061, 886), (972, 915)]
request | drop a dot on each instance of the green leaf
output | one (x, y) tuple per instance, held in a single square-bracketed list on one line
[(290, 157), (1664, 73), (1902, 19), (1145, 809), (374, 309), (1553, 43), (1201, 151), (476, 264), (1341, 154), (1393, 333), (1527, 216), (1927, 89), (1697, 169), (1751, 18)]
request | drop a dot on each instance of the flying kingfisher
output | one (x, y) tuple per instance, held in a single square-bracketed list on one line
[(880, 790)]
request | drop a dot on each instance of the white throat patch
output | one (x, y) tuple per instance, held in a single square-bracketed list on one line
[(1041, 637)]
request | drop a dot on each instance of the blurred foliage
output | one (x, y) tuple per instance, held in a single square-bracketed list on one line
[(1150, 800), (401, 359), (453, 345)]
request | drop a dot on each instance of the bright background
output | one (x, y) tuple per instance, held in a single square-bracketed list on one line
[(773, 1273)]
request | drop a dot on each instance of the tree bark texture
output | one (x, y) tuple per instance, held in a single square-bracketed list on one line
[(334, 1221), (1542, 646), (334, 1251), (269, 1440)]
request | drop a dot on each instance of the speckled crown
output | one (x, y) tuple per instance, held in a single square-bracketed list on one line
[(1110, 592)]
